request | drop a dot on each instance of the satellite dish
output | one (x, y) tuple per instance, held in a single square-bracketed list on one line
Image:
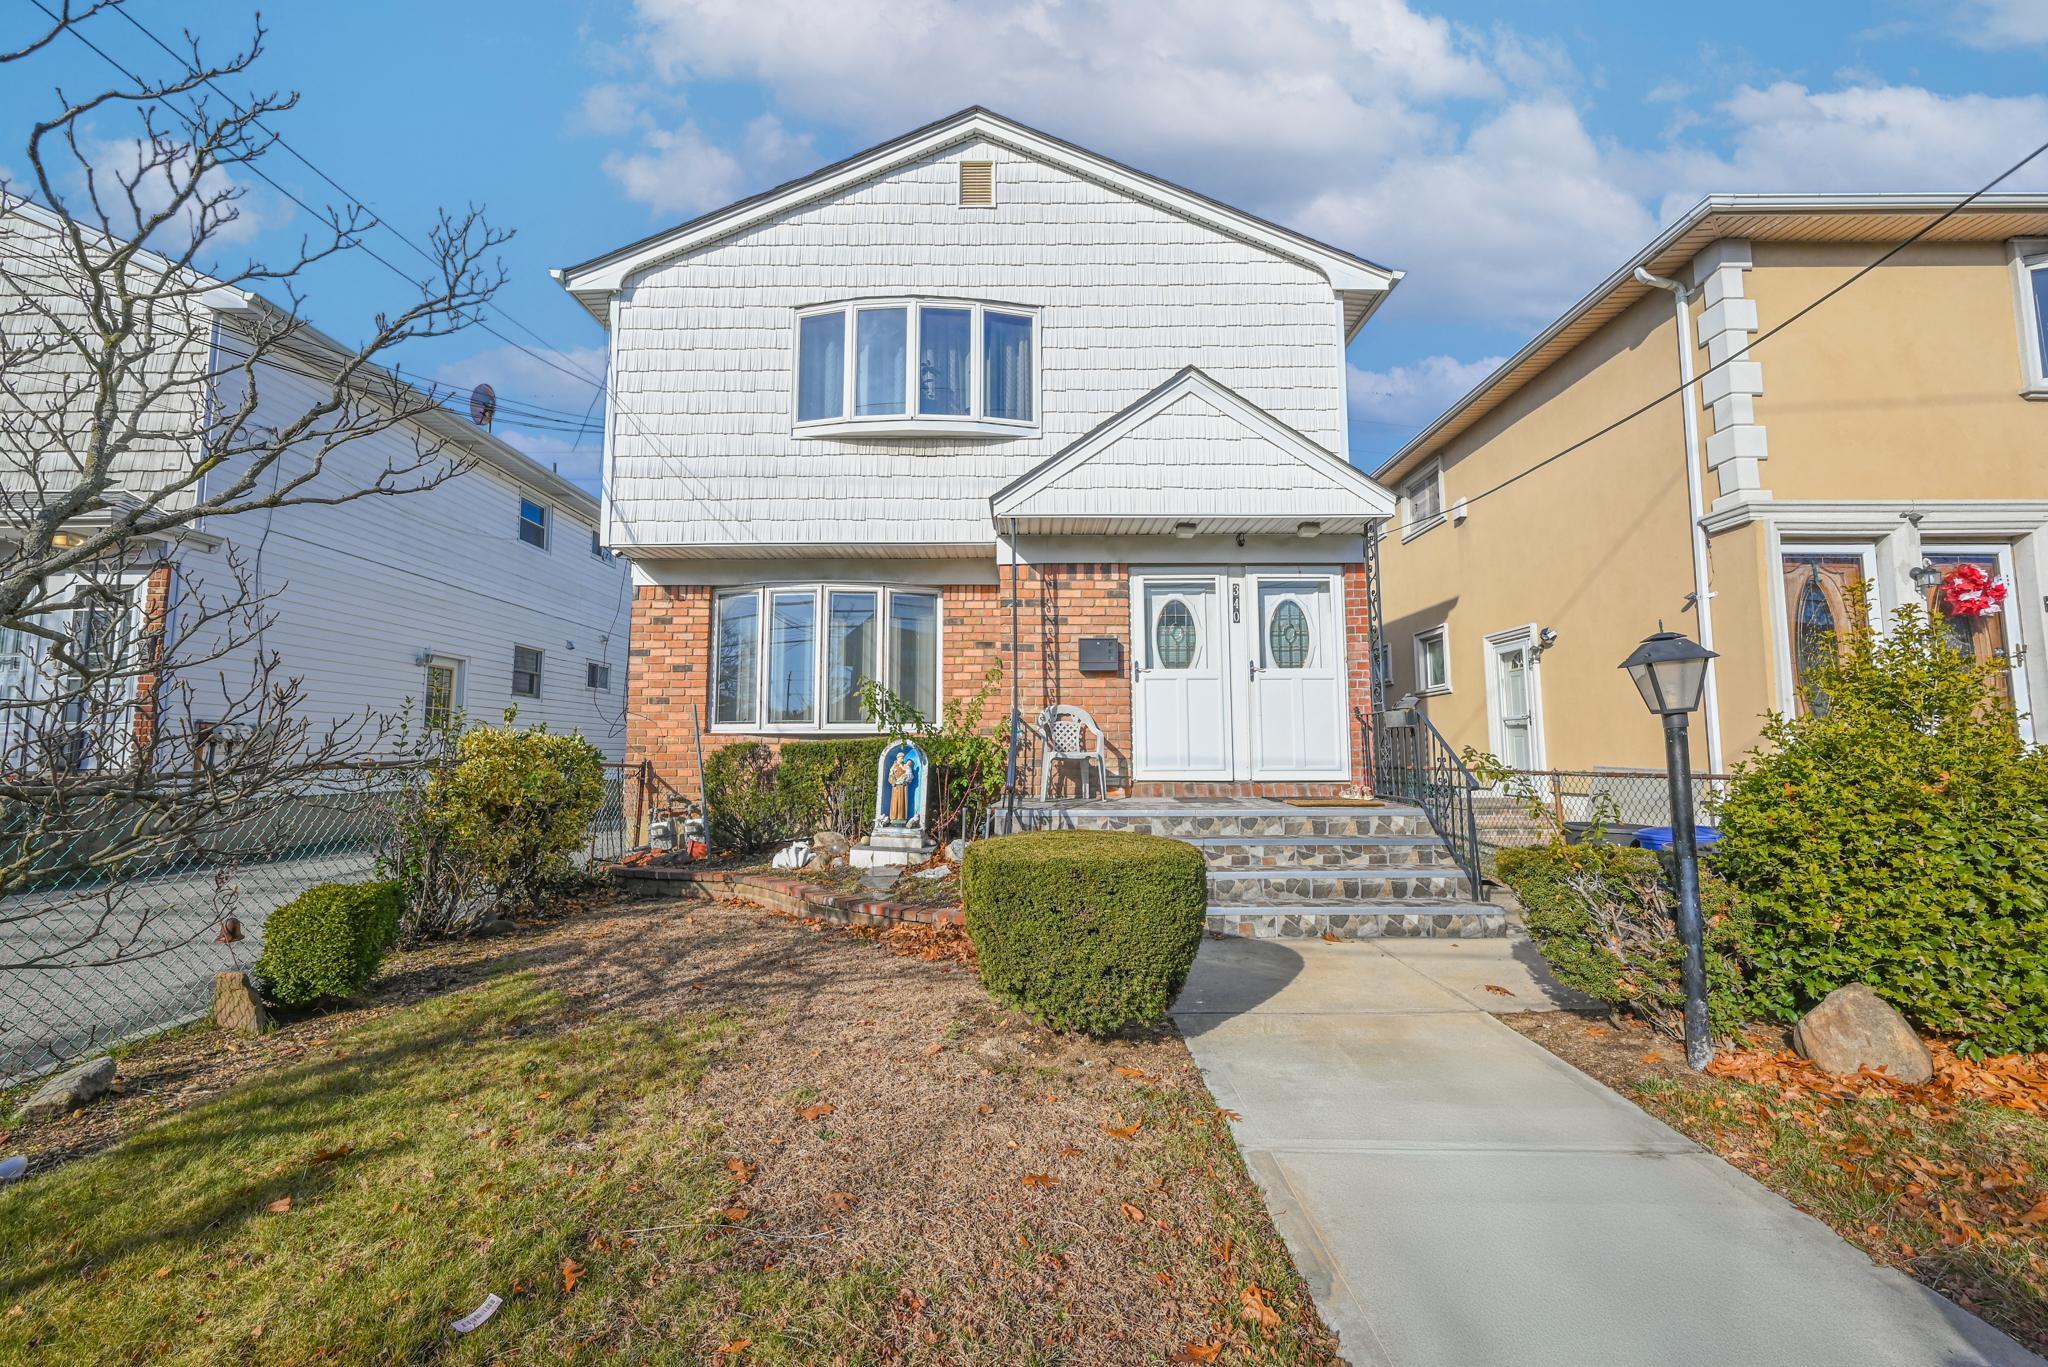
[(483, 405)]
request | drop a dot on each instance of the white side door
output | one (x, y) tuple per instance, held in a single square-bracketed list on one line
[(1181, 666), (1296, 678), (1513, 698)]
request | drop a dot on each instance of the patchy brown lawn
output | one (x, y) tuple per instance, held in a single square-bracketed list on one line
[(849, 1113), (1947, 1182)]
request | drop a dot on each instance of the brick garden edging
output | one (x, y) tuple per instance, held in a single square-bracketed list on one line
[(793, 895)]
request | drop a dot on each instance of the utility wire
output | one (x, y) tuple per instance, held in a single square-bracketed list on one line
[(1759, 339)]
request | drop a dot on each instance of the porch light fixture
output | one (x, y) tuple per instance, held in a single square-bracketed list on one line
[(1184, 530), (1924, 576), (1670, 671), (1306, 530)]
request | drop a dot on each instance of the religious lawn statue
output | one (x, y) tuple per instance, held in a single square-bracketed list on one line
[(898, 837)]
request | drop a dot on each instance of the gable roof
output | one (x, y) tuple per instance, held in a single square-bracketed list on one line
[(1191, 450), (1885, 218), (1363, 283)]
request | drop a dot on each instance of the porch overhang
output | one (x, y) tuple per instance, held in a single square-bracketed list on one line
[(1192, 458)]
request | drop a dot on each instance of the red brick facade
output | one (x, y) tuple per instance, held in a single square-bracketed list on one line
[(670, 670)]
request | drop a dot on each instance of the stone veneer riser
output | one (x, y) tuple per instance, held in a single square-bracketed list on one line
[(1455, 921), (1324, 852), (1246, 826), (1303, 888)]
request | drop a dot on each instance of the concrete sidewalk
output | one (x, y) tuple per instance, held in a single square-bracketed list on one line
[(1457, 1195)]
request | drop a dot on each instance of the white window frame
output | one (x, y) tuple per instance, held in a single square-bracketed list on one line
[(456, 666), (539, 672), (2028, 255), (1441, 634), (1411, 526), (910, 422), (546, 523), (821, 593)]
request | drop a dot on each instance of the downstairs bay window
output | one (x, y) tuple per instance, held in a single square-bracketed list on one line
[(792, 657)]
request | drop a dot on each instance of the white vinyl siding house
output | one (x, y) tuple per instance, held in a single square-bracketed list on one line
[(841, 411)]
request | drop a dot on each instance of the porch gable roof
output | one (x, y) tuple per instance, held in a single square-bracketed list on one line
[(1191, 451)]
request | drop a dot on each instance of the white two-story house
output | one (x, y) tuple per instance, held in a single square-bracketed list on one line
[(978, 398)]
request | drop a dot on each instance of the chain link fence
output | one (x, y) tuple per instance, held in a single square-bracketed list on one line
[(90, 961), (1535, 806)]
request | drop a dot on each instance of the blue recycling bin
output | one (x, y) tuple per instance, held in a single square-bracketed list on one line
[(1660, 837)]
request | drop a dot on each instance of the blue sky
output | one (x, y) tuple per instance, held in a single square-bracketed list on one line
[(1505, 156)]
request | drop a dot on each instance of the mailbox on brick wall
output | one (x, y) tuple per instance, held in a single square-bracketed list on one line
[(1102, 655)]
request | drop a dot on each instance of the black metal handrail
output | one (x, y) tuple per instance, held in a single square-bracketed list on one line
[(1412, 762)]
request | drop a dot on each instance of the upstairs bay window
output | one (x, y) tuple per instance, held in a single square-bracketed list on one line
[(2030, 268), (916, 368), (792, 657)]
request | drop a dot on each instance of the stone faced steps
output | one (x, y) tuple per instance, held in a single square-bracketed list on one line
[(1313, 887), (1271, 823), (1367, 921), (1324, 852)]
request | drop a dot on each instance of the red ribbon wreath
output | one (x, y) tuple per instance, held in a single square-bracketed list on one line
[(1969, 591)]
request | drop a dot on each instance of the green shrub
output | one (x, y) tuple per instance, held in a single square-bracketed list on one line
[(830, 784), (748, 809), (325, 944), (1602, 915), (1897, 835), (1088, 930)]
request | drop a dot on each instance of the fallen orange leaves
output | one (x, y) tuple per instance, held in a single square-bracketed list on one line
[(1132, 1213), (280, 1205), (572, 1272), (1138, 1073), (1129, 1131), (1198, 1352), (1040, 1179), (741, 1170), (817, 1112), (1258, 1306)]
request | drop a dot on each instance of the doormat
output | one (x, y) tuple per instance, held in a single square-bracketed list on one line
[(1333, 802)]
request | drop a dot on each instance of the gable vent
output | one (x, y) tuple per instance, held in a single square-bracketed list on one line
[(977, 184)]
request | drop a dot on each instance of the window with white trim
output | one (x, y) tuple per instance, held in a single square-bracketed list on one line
[(533, 523), (526, 670), (1422, 500), (1433, 660), (897, 365), (792, 657), (597, 676), (2030, 267)]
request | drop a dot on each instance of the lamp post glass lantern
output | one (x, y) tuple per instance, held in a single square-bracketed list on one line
[(1670, 671)]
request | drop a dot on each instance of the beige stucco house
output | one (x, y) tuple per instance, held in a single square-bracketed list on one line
[(1897, 430)]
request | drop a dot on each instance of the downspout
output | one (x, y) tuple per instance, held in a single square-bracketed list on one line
[(1702, 589), (1016, 683)]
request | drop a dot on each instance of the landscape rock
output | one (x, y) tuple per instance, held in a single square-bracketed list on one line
[(71, 1089), (830, 845), (493, 924), (1854, 1028), (956, 850), (236, 1007)]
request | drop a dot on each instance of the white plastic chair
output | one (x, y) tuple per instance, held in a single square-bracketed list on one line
[(1064, 731)]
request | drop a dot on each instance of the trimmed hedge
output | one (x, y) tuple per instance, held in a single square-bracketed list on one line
[(325, 943), (1088, 930), (758, 799)]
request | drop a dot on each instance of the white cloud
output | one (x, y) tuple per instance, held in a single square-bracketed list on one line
[(1402, 399), (1460, 156), (1787, 138), (682, 171), (2002, 23), (252, 211)]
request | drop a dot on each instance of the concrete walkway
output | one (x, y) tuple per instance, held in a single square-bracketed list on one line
[(1457, 1195)]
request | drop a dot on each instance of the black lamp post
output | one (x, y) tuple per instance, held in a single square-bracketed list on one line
[(1670, 671)]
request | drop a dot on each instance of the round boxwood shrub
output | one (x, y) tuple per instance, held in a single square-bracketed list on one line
[(1088, 930), (325, 943)]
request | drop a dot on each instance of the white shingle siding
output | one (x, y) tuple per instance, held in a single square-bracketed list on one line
[(1184, 460), (703, 358)]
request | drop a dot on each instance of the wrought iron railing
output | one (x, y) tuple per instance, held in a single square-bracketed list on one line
[(1413, 763)]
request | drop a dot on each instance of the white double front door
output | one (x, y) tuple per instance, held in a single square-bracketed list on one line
[(1238, 673)]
